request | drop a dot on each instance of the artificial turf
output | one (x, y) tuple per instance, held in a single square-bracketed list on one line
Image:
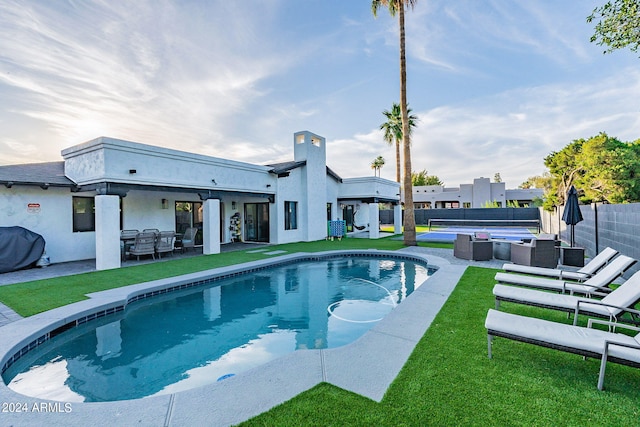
[(448, 380), (29, 298)]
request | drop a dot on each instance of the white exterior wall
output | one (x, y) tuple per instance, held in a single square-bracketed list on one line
[(333, 189), (290, 189), (143, 209), (477, 194), (112, 159), (53, 220), (313, 214), (359, 188)]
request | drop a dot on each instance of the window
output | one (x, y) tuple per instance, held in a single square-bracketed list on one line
[(290, 215), (84, 218)]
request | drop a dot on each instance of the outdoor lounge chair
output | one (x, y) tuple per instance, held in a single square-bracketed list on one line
[(537, 253), (611, 306), (596, 285), (164, 242), (588, 342), (467, 247), (189, 238), (145, 244), (584, 273)]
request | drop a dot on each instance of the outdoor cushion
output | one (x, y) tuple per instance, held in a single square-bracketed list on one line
[(612, 305), (596, 283), (560, 334), (583, 273)]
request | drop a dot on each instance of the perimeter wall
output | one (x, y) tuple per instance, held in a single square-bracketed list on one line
[(617, 226)]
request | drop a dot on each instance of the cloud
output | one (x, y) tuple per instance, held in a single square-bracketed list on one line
[(81, 70), (510, 132)]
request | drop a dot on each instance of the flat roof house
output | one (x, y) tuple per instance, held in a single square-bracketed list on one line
[(80, 205)]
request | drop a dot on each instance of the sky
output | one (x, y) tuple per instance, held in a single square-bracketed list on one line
[(497, 85)]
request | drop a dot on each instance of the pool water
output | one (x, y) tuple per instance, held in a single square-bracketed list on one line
[(195, 337)]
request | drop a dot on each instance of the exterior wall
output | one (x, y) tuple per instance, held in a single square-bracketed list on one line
[(362, 188), (116, 161), (312, 213), (53, 220), (333, 189), (290, 188), (475, 195), (616, 226), (143, 209), (112, 159)]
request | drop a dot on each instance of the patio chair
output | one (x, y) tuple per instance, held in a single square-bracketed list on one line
[(467, 247), (599, 261), (189, 238), (596, 285), (145, 244), (587, 342), (127, 238), (611, 306), (164, 242), (537, 253)]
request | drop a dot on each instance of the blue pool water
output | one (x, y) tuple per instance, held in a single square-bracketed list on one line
[(195, 337)]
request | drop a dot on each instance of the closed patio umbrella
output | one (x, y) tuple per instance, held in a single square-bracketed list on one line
[(571, 214)]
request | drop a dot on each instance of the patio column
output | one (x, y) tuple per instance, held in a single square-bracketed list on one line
[(211, 227), (107, 214), (374, 221), (397, 218)]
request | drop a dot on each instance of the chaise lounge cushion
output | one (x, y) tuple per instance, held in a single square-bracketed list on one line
[(597, 283), (562, 336)]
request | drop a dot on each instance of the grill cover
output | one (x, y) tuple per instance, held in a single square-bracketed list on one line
[(19, 248)]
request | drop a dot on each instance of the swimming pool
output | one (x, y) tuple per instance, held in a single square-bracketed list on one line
[(213, 330)]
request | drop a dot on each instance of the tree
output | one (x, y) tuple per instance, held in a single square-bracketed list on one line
[(422, 178), (618, 25), (377, 164), (398, 7), (539, 181), (497, 177), (393, 131), (602, 168)]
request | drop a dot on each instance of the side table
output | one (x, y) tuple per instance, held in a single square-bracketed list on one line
[(572, 256)]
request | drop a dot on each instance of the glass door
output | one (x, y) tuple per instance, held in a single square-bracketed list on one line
[(189, 214), (347, 215), (256, 222)]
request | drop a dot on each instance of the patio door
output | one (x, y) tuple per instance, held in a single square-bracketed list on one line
[(347, 215), (189, 214), (256, 222)]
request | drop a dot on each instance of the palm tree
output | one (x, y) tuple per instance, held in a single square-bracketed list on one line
[(377, 164), (393, 131), (398, 6)]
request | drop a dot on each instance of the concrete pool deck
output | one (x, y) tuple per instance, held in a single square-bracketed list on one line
[(366, 366)]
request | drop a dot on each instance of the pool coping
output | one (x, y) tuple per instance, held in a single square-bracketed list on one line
[(367, 366)]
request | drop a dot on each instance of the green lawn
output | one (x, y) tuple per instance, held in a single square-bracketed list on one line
[(29, 298), (448, 380)]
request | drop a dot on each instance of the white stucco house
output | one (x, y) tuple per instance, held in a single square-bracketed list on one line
[(476, 195), (81, 204)]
